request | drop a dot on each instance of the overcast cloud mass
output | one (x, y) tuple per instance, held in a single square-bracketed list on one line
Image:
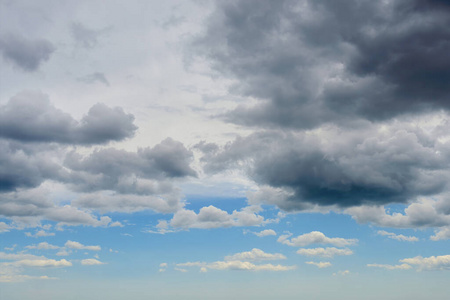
[(182, 145)]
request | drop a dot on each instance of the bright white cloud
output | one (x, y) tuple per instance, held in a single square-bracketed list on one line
[(429, 263), (4, 227), (320, 265), (79, 246), (442, 234), (43, 263), (398, 237), (314, 237), (212, 217), (237, 265), (254, 255), (324, 252)]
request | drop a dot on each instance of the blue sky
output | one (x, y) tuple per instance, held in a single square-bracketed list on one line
[(224, 149)]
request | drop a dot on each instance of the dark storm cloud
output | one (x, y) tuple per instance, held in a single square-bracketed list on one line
[(24, 53), (25, 169), (315, 62), (30, 117), (333, 167)]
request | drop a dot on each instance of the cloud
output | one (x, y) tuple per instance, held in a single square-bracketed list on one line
[(391, 267), (328, 167), (431, 263), (94, 78), (79, 246), (423, 213), (342, 273), (43, 263), (442, 234), (320, 265), (213, 217), (21, 278), (324, 252), (46, 123), (398, 237), (314, 237), (86, 37), (24, 53), (265, 232), (4, 227), (39, 233), (309, 63), (43, 246), (91, 262), (254, 255)]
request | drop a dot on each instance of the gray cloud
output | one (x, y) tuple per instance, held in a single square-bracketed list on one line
[(30, 117), (316, 62), (395, 162), (26, 54), (86, 37), (94, 78)]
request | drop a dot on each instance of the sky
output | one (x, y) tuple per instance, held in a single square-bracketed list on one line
[(234, 149)]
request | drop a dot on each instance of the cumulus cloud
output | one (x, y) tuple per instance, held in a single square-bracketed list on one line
[(91, 262), (242, 261), (423, 213), (26, 54), (320, 265), (432, 263), (212, 217), (79, 246), (43, 263), (265, 232), (314, 237), (39, 233), (310, 63), (331, 167), (254, 255), (46, 123), (42, 246), (429, 263), (442, 234), (398, 237), (324, 252), (4, 227)]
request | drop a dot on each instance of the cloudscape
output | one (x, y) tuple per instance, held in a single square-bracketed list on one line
[(242, 149)]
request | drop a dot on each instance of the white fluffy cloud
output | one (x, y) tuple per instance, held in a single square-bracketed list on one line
[(324, 252), (314, 237), (43, 246), (254, 255), (79, 246), (432, 263), (266, 232), (212, 217), (242, 261)]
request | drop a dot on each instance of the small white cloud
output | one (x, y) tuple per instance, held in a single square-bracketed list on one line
[(91, 262), (324, 252), (4, 227), (442, 234), (398, 237), (342, 273), (43, 246), (391, 267), (264, 233), (320, 265), (254, 255), (429, 263), (79, 246), (314, 237), (40, 233), (43, 263)]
